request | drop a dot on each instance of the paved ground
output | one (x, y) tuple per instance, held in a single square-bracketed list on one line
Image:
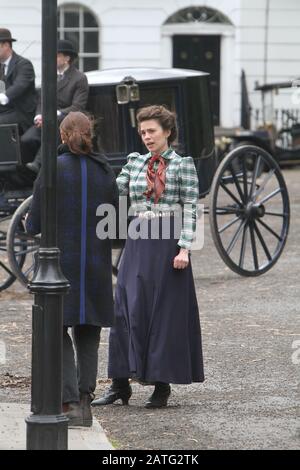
[(13, 431), (251, 334)]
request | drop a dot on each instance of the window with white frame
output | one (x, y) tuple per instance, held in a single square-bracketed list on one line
[(79, 25)]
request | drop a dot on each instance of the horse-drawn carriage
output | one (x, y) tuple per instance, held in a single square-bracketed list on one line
[(249, 205), (275, 130)]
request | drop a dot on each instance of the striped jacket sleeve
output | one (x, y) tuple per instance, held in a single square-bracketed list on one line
[(189, 195), (124, 176)]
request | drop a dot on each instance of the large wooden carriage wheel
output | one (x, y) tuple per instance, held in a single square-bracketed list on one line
[(249, 211)]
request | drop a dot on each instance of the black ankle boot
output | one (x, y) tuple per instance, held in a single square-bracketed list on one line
[(119, 390), (159, 397)]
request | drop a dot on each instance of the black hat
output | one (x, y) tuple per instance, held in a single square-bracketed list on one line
[(5, 35), (66, 47)]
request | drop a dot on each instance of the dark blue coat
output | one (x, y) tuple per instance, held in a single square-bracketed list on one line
[(83, 183)]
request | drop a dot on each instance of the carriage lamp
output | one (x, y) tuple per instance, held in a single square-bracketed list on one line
[(127, 91), (134, 92), (123, 94)]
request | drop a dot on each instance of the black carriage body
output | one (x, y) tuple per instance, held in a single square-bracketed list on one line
[(184, 91)]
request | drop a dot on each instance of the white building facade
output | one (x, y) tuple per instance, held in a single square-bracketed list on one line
[(223, 37)]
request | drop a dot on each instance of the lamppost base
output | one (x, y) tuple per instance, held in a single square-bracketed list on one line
[(47, 432), (48, 278)]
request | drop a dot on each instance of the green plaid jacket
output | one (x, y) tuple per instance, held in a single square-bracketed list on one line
[(181, 188)]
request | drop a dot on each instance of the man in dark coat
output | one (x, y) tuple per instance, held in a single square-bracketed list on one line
[(17, 85), (72, 95)]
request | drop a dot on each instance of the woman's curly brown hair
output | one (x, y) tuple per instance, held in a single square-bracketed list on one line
[(166, 118)]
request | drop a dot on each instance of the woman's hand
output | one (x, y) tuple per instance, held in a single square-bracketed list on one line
[(181, 261)]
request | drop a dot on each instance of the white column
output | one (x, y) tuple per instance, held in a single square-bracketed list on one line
[(166, 56), (227, 81)]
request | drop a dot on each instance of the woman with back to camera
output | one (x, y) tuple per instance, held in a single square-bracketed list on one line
[(84, 181), (156, 338)]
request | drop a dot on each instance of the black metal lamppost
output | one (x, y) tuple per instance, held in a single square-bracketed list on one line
[(47, 427)]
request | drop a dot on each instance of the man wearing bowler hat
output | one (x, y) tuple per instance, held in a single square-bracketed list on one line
[(72, 95), (17, 85)]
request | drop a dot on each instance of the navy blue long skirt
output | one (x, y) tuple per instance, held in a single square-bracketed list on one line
[(157, 334)]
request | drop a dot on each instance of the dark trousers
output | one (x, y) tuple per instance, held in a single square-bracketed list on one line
[(80, 377), (31, 143)]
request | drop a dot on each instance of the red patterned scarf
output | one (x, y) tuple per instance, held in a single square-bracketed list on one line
[(156, 180)]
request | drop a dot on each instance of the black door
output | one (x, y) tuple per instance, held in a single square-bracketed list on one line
[(201, 53)]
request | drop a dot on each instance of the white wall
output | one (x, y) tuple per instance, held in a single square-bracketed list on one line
[(23, 18), (131, 35)]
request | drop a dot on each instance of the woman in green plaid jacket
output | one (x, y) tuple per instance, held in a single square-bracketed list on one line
[(156, 338)]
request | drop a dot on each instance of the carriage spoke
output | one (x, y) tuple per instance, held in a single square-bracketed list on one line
[(275, 214), (235, 238), (26, 251), (29, 245), (245, 179), (270, 230), (29, 270), (254, 177), (231, 194), (237, 184), (228, 179), (227, 210), (243, 247), (272, 194), (264, 184), (263, 244), (6, 269), (229, 224), (253, 246)]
